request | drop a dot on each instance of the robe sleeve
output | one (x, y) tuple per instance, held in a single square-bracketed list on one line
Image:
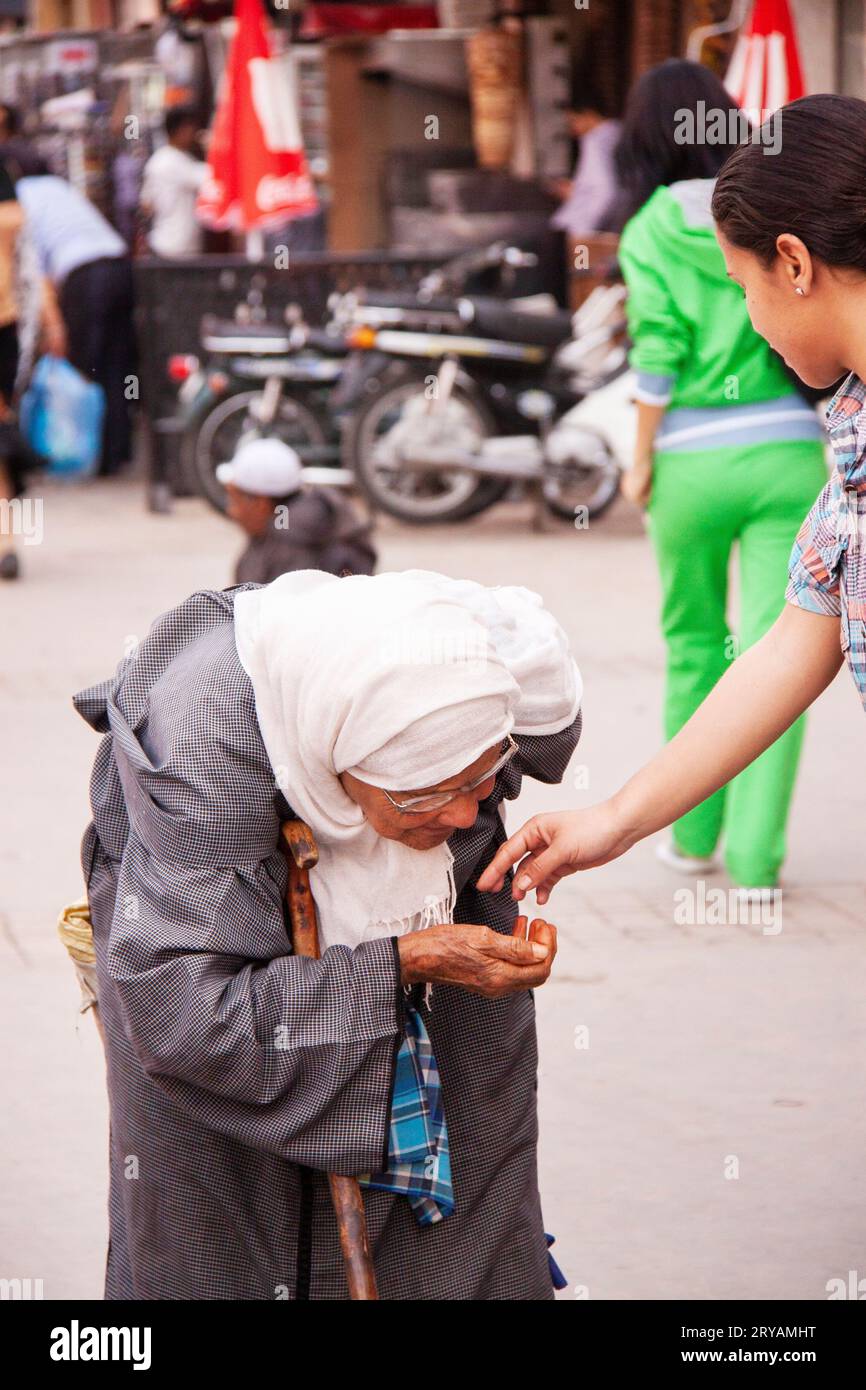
[(285, 1054)]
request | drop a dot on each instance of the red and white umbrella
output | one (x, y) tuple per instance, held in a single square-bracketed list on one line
[(257, 169), (764, 72)]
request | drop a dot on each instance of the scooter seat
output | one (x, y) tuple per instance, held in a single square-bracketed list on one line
[(227, 335), (490, 318), (405, 299)]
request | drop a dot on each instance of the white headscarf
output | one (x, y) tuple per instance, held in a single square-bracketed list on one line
[(403, 680)]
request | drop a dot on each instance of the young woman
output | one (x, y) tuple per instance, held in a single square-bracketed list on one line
[(728, 453), (792, 228)]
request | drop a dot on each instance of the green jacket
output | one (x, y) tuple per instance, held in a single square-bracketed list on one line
[(693, 344)]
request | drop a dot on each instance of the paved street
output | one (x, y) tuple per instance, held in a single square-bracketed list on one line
[(702, 1117)]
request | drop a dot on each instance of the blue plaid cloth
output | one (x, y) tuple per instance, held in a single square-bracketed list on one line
[(419, 1163)]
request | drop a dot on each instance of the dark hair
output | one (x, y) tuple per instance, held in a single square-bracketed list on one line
[(176, 117), (648, 153), (813, 186), (589, 94), (7, 187), (21, 160), (10, 117)]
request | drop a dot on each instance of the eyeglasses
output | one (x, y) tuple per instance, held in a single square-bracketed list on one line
[(435, 801)]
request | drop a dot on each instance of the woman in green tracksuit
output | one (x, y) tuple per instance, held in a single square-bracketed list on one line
[(728, 452)]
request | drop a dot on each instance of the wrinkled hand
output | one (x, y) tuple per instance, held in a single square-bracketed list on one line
[(555, 845), (480, 960)]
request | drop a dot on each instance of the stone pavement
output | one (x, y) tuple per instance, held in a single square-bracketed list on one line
[(702, 1077)]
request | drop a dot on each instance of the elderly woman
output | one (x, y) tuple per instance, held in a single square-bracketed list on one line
[(393, 714)]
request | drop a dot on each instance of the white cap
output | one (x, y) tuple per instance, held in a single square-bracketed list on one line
[(267, 467)]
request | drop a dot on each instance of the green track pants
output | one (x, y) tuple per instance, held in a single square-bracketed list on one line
[(702, 503)]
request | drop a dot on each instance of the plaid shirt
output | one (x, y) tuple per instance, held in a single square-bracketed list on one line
[(828, 562)]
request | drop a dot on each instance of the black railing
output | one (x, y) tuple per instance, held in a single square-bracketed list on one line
[(173, 297)]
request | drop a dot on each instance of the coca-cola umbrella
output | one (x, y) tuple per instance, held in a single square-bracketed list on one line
[(765, 71), (257, 169)]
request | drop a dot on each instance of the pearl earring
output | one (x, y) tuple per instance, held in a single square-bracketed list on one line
[(799, 289)]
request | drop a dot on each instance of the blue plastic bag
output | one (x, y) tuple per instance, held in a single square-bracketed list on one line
[(61, 417)]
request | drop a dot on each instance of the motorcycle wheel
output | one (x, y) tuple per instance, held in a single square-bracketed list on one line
[(215, 436), (593, 484), (422, 499)]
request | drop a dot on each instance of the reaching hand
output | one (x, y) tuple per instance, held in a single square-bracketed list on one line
[(555, 845)]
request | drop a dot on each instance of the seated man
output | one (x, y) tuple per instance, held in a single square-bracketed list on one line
[(290, 527), (393, 714)]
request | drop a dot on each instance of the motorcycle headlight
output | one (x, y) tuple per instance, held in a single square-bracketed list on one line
[(181, 366), (536, 405), (362, 337)]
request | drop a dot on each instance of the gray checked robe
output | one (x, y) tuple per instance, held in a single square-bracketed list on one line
[(220, 1139)]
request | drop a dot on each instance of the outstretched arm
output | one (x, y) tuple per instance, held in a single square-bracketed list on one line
[(764, 691)]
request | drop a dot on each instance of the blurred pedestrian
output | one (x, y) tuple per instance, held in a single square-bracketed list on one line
[(727, 453), (172, 178), (28, 312), (10, 122), (17, 153), (589, 198), (88, 263), (290, 527), (127, 173)]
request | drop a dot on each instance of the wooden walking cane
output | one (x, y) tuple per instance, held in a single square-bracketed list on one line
[(301, 854)]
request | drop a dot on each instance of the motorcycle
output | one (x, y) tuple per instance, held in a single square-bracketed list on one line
[(431, 446), (256, 378)]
